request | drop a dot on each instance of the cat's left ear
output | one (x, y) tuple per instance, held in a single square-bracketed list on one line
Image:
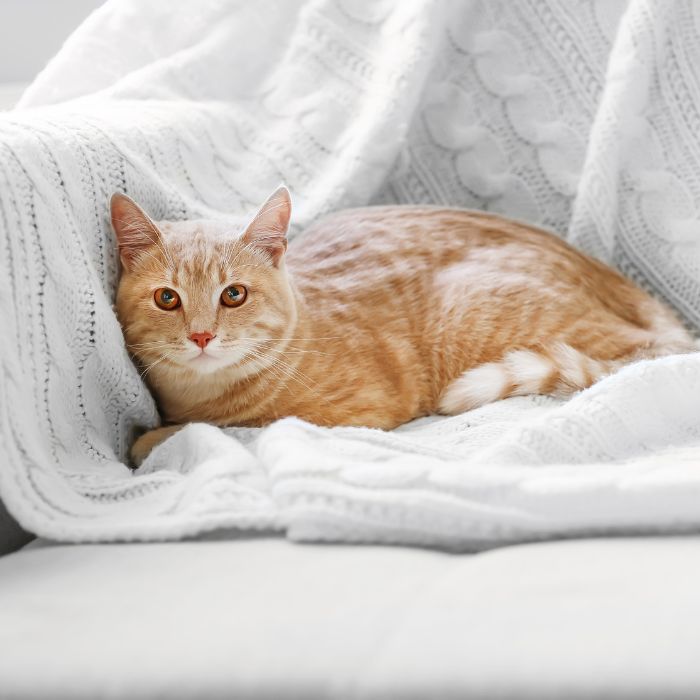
[(134, 229), (268, 230)]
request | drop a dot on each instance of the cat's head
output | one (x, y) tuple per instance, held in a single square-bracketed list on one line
[(195, 297)]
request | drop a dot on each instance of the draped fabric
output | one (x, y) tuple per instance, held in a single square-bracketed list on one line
[(581, 117)]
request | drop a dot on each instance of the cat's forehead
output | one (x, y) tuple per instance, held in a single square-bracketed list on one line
[(201, 251), (201, 233)]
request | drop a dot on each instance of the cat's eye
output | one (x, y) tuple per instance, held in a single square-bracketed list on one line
[(166, 298), (234, 295)]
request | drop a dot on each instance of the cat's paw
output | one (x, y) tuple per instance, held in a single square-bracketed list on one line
[(144, 444)]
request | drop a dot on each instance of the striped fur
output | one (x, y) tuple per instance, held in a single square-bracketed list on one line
[(558, 371)]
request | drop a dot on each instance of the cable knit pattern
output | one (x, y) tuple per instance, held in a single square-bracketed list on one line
[(582, 117)]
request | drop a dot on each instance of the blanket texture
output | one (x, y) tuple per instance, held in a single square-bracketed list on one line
[(582, 117)]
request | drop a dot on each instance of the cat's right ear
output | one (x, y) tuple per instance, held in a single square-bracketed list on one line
[(268, 230), (134, 229)]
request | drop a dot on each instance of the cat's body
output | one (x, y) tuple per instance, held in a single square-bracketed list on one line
[(377, 316)]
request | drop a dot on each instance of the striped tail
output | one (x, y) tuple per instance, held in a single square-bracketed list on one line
[(559, 371)]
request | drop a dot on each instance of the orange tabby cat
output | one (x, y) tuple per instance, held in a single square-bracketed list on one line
[(371, 318)]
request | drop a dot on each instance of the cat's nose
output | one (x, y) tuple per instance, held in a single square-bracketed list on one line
[(202, 339)]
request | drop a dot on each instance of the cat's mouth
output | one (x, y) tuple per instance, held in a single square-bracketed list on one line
[(204, 356), (205, 362)]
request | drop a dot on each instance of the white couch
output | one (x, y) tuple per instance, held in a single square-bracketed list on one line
[(259, 617)]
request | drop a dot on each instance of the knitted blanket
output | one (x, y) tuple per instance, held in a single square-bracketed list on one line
[(581, 117)]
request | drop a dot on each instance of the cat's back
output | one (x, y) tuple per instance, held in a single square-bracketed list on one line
[(410, 227), (402, 238)]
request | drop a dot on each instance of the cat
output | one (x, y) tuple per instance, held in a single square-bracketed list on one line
[(372, 317)]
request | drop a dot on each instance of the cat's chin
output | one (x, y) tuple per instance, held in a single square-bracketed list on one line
[(206, 364)]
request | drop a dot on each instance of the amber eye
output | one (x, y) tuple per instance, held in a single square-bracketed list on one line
[(234, 295), (167, 299)]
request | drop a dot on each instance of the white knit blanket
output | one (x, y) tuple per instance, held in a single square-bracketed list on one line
[(583, 117)]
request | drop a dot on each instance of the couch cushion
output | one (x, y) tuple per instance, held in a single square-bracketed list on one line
[(264, 618)]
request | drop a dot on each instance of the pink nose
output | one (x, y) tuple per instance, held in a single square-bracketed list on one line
[(202, 339)]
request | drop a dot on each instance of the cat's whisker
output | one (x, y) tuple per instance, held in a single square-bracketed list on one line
[(287, 350), (228, 260), (246, 247), (295, 351), (150, 343), (145, 353), (263, 366), (268, 340), (280, 366), (288, 370), (146, 347), (162, 358), (291, 371)]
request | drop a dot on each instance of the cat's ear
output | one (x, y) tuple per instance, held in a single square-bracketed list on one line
[(268, 230), (134, 229)]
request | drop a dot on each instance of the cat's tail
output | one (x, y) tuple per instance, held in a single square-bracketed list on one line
[(559, 370), (666, 334)]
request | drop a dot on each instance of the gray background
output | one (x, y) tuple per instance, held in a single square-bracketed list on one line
[(31, 32)]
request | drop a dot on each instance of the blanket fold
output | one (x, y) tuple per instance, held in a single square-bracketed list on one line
[(579, 117)]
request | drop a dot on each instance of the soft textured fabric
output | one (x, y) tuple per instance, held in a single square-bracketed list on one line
[(581, 117), (264, 618)]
